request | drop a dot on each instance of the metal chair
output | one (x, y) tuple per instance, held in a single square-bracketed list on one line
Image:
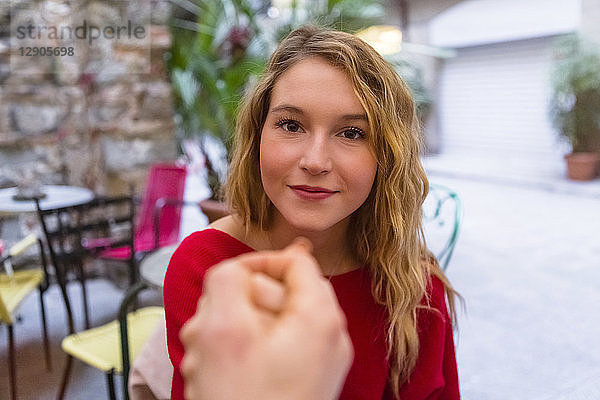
[(79, 233), (442, 218), (14, 288), (159, 219), (109, 347), (113, 346)]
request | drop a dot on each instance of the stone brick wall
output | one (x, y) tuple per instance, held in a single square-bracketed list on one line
[(97, 120)]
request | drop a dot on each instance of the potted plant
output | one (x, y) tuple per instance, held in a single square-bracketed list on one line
[(575, 103)]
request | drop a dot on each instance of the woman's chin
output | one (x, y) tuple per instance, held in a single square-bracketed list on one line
[(310, 225)]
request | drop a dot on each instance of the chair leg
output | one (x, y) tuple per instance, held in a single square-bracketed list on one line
[(110, 381), (133, 273), (65, 379), (84, 294), (45, 332), (11, 363)]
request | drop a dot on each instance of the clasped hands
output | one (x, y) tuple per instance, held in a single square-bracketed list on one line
[(268, 326)]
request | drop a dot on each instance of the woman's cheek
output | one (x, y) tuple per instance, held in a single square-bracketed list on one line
[(276, 156)]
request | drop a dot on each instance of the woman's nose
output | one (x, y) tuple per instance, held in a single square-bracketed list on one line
[(316, 158)]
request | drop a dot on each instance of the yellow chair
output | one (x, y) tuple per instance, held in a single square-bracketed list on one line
[(14, 288), (109, 347), (101, 347)]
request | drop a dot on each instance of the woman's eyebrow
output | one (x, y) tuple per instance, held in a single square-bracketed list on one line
[(298, 110), (287, 107), (352, 117)]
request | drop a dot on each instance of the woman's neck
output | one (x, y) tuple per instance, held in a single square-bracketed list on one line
[(330, 247)]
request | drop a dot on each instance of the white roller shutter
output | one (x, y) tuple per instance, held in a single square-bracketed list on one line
[(493, 102)]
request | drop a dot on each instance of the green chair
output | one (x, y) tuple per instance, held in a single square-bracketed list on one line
[(442, 218)]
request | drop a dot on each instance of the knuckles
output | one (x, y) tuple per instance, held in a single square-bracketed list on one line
[(330, 320), (225, 333)]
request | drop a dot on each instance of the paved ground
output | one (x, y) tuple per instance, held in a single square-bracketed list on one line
[(527, 263)]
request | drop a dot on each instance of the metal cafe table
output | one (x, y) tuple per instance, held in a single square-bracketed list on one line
[(54, 196), (51, 196), (154, 266)]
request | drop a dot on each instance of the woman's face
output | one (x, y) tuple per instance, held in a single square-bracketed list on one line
[(315, 160)]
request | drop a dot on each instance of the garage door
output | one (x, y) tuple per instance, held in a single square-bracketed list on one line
[(493, 105)]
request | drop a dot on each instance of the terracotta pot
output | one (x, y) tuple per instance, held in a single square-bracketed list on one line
[(582, 166), (214, 209)]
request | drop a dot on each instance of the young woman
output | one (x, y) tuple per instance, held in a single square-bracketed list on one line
[(327, 147)]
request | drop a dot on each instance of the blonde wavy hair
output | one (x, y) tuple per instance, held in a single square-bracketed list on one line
[(386, 231)]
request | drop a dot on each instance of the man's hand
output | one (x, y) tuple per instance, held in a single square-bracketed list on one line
[(268, 326)]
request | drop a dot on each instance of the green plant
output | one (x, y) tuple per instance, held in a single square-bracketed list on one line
[(413, 77), (575, 101), (344, 15), (210, 63)]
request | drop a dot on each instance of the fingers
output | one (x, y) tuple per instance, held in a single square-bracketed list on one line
[(224, 307), (304, 288), (261, 285), (227, 285), (267, 293), (301, 243), (233, 292), (293, 265)]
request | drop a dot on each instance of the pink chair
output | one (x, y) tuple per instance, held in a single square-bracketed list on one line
[(158, 221)]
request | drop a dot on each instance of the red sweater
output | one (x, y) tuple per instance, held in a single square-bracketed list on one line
[(434, 377)]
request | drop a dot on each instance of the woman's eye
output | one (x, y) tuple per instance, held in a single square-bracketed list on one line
[(289, 125), (353, 133)]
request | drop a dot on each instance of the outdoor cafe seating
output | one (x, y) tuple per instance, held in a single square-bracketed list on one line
[(109, 347), (109, 229), (106, 229), (158, 222), (106, 222)]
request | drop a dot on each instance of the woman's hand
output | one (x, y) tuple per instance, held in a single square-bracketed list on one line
[(268, 326)]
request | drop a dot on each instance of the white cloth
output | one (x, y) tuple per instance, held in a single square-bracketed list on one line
[(151, 373)]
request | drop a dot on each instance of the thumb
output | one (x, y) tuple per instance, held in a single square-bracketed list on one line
[(300, 244)]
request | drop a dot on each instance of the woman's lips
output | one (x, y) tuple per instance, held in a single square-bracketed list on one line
[(312, 192)]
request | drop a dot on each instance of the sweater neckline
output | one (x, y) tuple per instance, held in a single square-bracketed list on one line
[(343, 275)]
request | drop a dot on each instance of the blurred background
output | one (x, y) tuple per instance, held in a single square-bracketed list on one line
[(508, 93)]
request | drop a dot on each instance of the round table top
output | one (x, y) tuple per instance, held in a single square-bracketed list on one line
[(56, 196), (154, 266)]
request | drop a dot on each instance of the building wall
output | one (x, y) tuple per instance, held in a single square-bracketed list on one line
[(590, 25), (420, 13)]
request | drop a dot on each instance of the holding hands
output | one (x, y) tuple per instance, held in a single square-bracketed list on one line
[(268, 326)]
